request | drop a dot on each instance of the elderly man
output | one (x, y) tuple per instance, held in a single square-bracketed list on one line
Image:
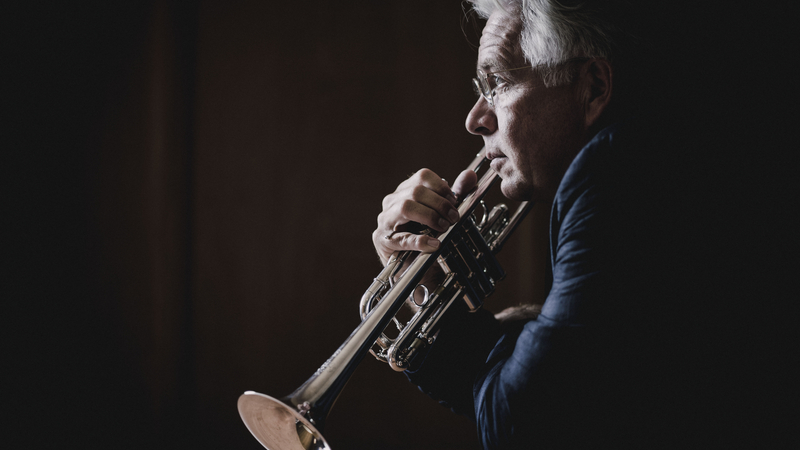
[(592, 369)]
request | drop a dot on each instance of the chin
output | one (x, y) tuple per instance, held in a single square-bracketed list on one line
[(516, 191)]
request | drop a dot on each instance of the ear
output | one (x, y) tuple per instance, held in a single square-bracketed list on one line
[(597, 81)]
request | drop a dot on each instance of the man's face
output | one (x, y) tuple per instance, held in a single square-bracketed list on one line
[(532, 133)]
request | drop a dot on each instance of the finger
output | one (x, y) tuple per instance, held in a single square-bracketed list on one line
[(432, 181), (417, 203), (443, 206), (465, 183), (425, 208), (387, 244), (399, 241)]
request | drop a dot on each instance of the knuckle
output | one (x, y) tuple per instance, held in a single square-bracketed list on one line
[(387, 201), (418, 192), (382, 221), (426, 173), (407, 206), (418, 176), (444, 205)]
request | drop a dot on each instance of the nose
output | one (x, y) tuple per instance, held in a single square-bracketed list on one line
[(481, 119)]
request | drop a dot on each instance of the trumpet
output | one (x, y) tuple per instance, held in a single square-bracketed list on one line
[(471, 271)]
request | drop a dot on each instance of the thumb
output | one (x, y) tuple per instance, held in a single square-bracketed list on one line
[(465, 182)]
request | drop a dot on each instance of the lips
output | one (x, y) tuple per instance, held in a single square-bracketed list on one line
[(494, 154), (497, 163)]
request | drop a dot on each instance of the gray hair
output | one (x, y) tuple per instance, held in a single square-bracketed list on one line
[(554, 31)]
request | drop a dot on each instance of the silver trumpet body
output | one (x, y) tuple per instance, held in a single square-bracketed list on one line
[(471, 271)]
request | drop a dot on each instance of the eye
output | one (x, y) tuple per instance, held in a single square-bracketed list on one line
[(498, 83), (497, 80)]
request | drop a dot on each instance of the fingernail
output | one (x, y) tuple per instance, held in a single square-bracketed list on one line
[(433, 242), (451, 197), (453, 215), (444, 224)]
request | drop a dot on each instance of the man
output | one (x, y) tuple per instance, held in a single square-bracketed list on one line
[(593, 369)]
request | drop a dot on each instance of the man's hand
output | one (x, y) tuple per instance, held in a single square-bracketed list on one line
[(521, 313), (424, 199)]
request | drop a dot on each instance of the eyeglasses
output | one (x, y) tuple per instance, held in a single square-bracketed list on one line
[(485, 84), (484, 87)]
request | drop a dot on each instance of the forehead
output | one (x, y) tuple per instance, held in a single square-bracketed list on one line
[(500, 43)]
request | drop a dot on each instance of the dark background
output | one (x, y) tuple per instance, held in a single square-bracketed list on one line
[(190, 189), (194, 189)]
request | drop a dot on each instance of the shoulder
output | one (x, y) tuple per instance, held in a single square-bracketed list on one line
[(585, 187), (590, 167)]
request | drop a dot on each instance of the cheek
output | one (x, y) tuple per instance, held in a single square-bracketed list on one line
[(518, 127), (528, 131), (553, 124), (545, 137)]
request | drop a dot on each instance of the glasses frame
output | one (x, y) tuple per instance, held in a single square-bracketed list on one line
[(481, 83)]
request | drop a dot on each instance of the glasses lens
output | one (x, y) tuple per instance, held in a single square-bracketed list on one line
[(482, 87), (476, 87)]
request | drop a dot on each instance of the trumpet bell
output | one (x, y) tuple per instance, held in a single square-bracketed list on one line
[(277, 426)]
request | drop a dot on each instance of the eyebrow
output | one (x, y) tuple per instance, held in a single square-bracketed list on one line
[(493, 64)]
